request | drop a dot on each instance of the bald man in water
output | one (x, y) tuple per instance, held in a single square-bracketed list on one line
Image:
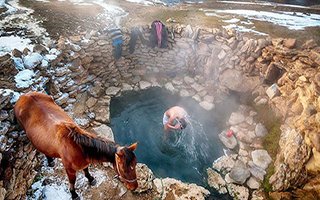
[(174, 119)]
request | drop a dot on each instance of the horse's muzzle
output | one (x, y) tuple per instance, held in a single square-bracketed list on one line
[(131, 186)]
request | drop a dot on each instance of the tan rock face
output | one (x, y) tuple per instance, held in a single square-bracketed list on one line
[(299, 100), (235, 80), (313, 186), (289, 43), (290, 161), (169, 188)]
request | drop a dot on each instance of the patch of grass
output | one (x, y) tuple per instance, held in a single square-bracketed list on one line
[(37, 178), (267, 187), (270, 141)]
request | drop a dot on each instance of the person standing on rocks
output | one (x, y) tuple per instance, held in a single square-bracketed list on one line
[(174, 119)]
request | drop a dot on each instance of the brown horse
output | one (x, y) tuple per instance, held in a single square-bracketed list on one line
[(55, 134)]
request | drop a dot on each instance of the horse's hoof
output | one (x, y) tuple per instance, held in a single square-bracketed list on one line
[(51, 164), (93, 182), (75, 197)]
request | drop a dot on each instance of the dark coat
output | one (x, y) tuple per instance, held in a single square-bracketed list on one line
[(153, 36)]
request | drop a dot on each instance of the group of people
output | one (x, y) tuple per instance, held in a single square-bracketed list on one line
[(158, 38)]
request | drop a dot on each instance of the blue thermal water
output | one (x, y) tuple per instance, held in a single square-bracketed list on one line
[(185, 155)]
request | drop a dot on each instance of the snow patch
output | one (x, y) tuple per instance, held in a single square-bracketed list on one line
[(112, 9), (193, 2), (50, 192), (9, 8), (79, 2), (50, 57), (44, 1), (81, 121), (112, 13), (6, 92), (243, 29), (19, 18), (54, 51), (32, 60), (291, 20), (44, 63), (8, 43), (2, 3), (233, 20), (58, 188), (262, 4), (54, 191), (18, 63), (24, 78), (147, 3)]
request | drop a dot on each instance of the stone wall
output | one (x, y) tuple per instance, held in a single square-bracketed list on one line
[(18, 157), (207, 63), (202, 63)]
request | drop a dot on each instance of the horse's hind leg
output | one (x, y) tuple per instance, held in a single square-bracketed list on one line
[(50, 161), (92, 181), (72, 180)]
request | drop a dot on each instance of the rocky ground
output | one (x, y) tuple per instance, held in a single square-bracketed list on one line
[(65, 18), (79, 71)]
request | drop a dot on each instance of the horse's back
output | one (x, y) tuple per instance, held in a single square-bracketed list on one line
[(42, 120)]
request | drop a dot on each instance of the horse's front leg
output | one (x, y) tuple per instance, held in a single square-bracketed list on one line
[(90, 178), (50, 161), (72, 180)]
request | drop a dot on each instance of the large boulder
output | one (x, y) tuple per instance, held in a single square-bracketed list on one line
[(236, 118), (224, 164), (235, 80), (260, 130), (216, 181), (261, 158), (291, 159), (145, 178), (104, 131), (238, 192), (239, 173), (112, 91), (32, 60), (169, 188), (7, 66), (273, 73), (228, 141), (144, 85)]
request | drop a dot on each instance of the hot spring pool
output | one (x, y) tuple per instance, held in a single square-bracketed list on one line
[(137, 116)]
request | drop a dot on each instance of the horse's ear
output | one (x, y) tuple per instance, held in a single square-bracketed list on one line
[(120, 151), (133, 146)]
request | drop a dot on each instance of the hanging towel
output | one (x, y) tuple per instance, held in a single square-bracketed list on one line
[(159, 35), (117, 42), (159, 32)]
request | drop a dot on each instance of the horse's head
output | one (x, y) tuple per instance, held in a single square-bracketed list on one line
[(125, 166)]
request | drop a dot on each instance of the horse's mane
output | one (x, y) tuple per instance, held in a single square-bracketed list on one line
[(93, 147)]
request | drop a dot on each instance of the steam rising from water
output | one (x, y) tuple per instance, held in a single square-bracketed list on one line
[(137, 117)]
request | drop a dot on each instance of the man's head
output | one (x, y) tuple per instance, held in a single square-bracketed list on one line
[(183, 123)]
